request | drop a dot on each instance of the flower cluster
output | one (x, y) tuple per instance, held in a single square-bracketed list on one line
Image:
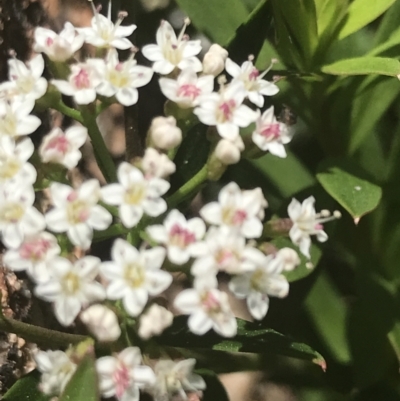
[(52, 240)]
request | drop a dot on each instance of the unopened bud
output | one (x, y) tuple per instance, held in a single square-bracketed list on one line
[(155, 164), (102, 322), (228, 152), (164, 133), (214, 60), (289, 257), (154, 321)]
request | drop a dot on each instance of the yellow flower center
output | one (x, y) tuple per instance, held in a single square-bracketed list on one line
[(134, 275), (135, 194), (11, 212), (71, 283)]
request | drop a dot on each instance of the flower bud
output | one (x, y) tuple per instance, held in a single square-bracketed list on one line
[(155, 164), (228, 152), (164, 133), (102, 322), (214, 60), (289, 257), (154, 321)]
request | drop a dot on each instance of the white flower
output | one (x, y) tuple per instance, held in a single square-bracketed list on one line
[(214, 60), (25, 81), (179, 235), (71, 287), (34, 255), (271, 134), (135, 195), (236, 210), (226, 111), (15, 119), (253, 81), (289, 258), (58, 47), (81, 83), (228, 152), (134, 275), (164, 133), (13, 161), (122, 375), (187, 88), (63, 148), (307, 222), (171, 51), (18, 217), (104, 33), (56, 368), (208, 308), (176, 378), (156, 164), (266, 280), (121, 79), (222, 250), (77, 213), (154, 321), (102, 322)]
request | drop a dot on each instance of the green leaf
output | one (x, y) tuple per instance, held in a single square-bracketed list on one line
[(347, 183), (302, 270), (214, 18), (83, 385), (251, 337), (325, 9), (361, 13), (388, 25), (364, 66), (26, 389)]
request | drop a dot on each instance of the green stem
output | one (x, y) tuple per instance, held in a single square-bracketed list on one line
[(186, 190), (39, 335), (67, 111), (101, 153)]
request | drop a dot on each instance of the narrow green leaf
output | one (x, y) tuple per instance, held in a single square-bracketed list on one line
[(324, 10), (347, 183), (364, 66), (251, 337), (83, 385), (26, 389), (388, 24), (361, 13)]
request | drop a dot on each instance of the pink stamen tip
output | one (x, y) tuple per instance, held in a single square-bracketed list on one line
[(60, 144), (72, 196), (188, 90), (227, 109), (254, 74), (271, 131), (239, 217), (181, 236), (81, 79), (319, 226), (49, 41), (210, 302), (122, 380), (35, 249)]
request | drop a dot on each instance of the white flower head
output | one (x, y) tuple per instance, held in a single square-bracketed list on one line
[(225, 110), (154, 321), (81, 83), (270, 134), (104, 33), (15, 119), (102, 322), (264, 281), (57, 369), (222, 250), (135, 195), (253, 81), (14, 161), (214, 60), (121, 79), (134, 275), (289, 258), (179, 235), (228, 152), (63, 147), (208, 308), (122, 375), (71, 287), (18, 217), (307, 222), (34, 255), (164, 133), (187, 88), (172, 52), (77, 213), (236, 209), (176, 378), (156, 164), (25, 80), (58, 47)]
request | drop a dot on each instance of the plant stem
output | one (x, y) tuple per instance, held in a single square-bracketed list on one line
[(67, 111), (101, 153), (186, 190), (39, 335)]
